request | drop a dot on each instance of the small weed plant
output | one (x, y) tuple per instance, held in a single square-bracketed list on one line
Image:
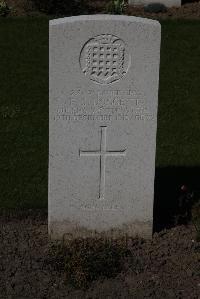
[(189, 209), (116, 7), (4, 9), (196, 219)]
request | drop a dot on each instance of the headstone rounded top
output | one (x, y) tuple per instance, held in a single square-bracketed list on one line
[(104, 17)]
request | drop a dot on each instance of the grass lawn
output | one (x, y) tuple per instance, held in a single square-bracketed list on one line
[(24, 105), (178, 142)]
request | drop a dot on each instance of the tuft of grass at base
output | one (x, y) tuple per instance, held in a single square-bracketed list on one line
[(24, 105), (85, 260)]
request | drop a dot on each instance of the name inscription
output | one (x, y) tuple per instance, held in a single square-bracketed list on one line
[(103, 105)]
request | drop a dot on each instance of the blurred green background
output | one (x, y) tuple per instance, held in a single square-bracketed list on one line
[(24, 106)]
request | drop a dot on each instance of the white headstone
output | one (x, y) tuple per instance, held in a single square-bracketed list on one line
[(167, 3), (104, 73)]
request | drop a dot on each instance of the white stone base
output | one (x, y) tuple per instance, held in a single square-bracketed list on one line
[(167, 3)]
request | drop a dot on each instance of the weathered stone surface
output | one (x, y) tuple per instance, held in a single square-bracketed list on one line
[(167, 3), (104, 74)]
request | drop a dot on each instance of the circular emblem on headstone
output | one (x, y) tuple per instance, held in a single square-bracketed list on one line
[(105, 59)]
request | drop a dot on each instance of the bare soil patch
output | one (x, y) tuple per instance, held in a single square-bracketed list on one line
[(22, 8), (186, 11), (168, 266)]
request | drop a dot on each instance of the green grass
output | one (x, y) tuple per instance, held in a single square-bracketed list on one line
[(178, 139), (24, 105), (23, 112)]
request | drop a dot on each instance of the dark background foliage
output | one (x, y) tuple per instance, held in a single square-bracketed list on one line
[(61, 7)]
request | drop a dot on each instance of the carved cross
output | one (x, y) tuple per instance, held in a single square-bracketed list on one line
[(102, 154)]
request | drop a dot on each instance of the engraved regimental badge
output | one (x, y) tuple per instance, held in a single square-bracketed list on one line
[(104, 59)]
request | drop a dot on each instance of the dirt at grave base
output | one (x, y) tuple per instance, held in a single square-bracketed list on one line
[(170, 264)]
